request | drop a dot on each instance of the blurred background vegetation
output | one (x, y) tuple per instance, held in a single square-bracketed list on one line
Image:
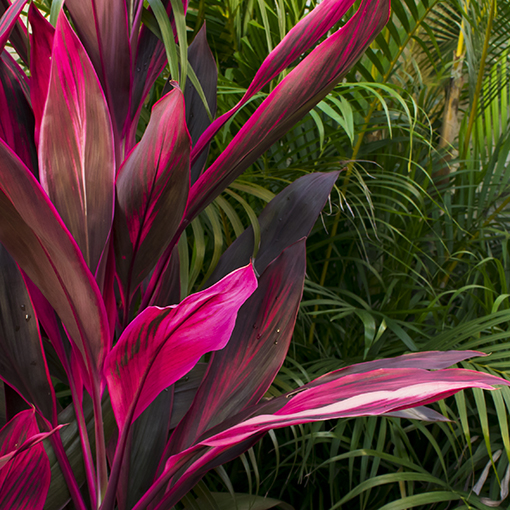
[(411, 253)]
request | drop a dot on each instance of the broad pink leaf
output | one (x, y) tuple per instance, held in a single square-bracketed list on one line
[(299, 91), (76, 155), (24, 466), (103, 27), (16, 117), (299, 39), (19, 34), (41, 46), (361, 394), (39, 242), (240, 374), (152, 189), (9, 19), (162, 344), (22, 360)]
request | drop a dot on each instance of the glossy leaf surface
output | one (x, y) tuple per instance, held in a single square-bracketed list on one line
[(152, 189), (76, 155), (163, 344)]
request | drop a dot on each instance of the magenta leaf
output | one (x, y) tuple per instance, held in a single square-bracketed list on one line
[(103, 27), (300, 38), (9, 19), (162, 344), (240, 374), (41, 46), (22, 362), (152, 189), (24, 465), (16, 117), (299, 91), (76, 165), (37, 239), (359, 394), (18, 37)]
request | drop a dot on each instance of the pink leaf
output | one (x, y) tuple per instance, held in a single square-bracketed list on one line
[(8, 20), (37, 239), (162, 344), (152, 189), (309, 82), (76, 156), (24, 466)]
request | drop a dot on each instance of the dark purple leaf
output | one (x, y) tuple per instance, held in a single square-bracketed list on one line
[(22, 363), (240, 374), (16, 117), (18, 36), (76, 154), (9, 20), (152, 188)]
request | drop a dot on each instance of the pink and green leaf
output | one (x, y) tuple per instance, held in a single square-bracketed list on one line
[(309, 82), (37, 239), (161, 345), (76, 154), (152, 189)]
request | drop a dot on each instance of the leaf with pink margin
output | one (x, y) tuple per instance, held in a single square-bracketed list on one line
[(239, 375), (299, 39), (360, 394), (18, 36), (152, 189), (37, 239), (289, 102), (161, 345), (24, 466), (76, 154), (41, 46), (9, 19), (22, 360), (103, 28), (16, 117)]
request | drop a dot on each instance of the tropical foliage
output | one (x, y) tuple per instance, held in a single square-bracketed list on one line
[(110, 207)]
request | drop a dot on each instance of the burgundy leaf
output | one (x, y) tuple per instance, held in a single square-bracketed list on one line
[(24, 465), (39, 242), (289, 217), (152, 188), (240, 374), (9, 19), (16, 117), (103, 27), (22, 362), (202, 62), (162, 344), (76, 156), (41, 46), (360, 394), (18, 36), (298, 93), (299, 38)]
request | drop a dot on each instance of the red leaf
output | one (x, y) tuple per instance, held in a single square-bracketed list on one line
[(76, 156), (152, 189), (163, 344)]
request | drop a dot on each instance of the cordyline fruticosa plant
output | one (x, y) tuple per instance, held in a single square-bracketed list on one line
[(90, 222)]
